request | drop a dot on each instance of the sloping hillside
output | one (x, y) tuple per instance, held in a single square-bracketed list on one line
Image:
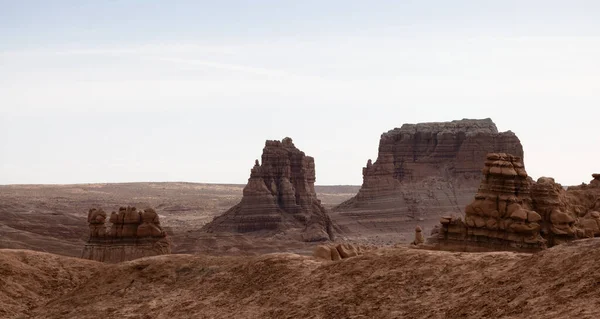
[(400, 282)]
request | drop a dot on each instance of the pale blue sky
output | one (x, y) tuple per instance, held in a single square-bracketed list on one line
[(117, 91)]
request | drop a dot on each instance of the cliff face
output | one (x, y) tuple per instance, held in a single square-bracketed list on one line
[(421, 170), (133, 234), (280, 196), (451, 150)]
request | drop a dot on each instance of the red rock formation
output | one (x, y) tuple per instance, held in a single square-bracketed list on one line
[(280, 196), (133, 234), (419, 238), (568, 214), (340, 251), (511, 212), (96, 220), (422, 169), (501, 217)]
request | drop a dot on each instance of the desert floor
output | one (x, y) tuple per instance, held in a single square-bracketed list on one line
[(53, 218), (396, 282)]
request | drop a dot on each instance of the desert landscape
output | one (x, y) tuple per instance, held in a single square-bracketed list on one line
[(299, 159), (397, 282), (51, 218), (447, 224)]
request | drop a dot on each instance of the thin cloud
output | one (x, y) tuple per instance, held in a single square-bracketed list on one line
[(133, 50), (150, 52), (222, 66)]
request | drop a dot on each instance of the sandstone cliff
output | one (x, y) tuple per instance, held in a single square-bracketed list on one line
[(279, 197), (421, 170), (133, 234)]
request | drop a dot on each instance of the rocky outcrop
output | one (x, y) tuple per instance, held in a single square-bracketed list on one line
[(422, 169), (419, 238), (280, 196), (339, 251), (133, 234), (501, 216), (511, 212), (568, 214)]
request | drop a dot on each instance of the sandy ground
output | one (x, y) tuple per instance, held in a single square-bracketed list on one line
[(400, 282), (53, 218)]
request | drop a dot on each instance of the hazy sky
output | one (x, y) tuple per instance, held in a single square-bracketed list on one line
[(119, 91)]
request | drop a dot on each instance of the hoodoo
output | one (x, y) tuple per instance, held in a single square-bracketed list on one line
[(133, 234), (279, 197), (512, 212)]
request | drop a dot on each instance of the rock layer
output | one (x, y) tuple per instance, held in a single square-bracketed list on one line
[(511, 212), (133, 234), (280, 196), (422, 169), (502, 213)]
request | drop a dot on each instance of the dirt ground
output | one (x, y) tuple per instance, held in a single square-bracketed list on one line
[(400, 282), (53, 218)]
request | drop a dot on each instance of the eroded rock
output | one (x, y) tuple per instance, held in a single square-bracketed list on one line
[(339, 251), (511, 212), (280, 196), (422, 169), (133, 234), (419, 238)]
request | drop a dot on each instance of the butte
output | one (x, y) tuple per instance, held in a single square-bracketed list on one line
[(279, 198), (422, 171)]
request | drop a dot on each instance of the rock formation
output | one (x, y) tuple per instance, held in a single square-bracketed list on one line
[(419, 238), (502, 213), (339, 251), (567, 214), (512, 212), (280, 196), (422, 169), (133, 234)]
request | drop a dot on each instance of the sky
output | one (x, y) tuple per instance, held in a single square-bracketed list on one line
[(128, 91)]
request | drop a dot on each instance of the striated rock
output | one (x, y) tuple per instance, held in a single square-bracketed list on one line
[(511, 212), (501, 217), (422, 169), (280, 196), (133, 234)]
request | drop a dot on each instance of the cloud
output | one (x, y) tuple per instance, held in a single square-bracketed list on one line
[(154, 49), (221, 66)]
